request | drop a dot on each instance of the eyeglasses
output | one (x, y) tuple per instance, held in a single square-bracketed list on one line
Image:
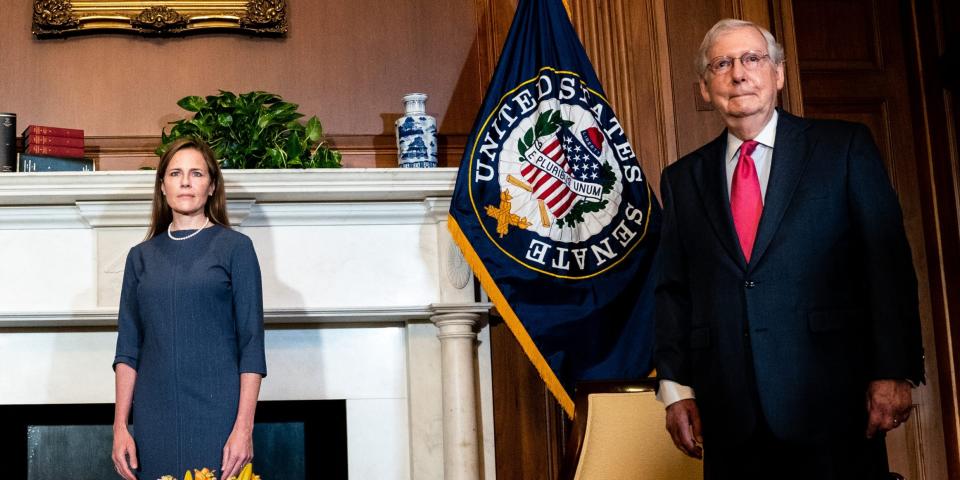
[(749, 60)]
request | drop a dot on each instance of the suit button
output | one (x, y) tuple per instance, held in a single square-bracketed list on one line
[(749, 284)]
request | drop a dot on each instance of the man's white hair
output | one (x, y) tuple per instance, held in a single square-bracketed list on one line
[(774, 49)]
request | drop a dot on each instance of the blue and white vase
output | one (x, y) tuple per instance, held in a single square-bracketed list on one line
[(416, 134)]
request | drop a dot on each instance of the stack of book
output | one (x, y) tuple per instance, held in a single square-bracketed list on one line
[(53, 149)]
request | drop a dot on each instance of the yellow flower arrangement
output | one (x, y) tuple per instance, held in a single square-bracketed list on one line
[(207, 474)]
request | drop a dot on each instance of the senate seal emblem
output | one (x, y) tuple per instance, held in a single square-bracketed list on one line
[(554, 182)]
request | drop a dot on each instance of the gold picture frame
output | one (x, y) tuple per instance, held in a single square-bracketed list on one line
[(52, 18)]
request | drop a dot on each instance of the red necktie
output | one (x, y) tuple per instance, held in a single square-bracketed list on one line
[(746, 201)]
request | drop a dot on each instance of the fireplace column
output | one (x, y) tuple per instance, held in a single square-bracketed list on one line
[(461, 446)]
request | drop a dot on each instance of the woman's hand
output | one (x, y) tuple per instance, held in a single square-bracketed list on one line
[(237, 452), (239, 448), (123, 449)]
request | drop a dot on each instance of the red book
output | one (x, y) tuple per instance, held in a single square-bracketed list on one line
[(57, 141), (53, 131), (54, 151)]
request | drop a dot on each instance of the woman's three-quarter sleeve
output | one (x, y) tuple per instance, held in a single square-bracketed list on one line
[(129, 331), (248, 308)]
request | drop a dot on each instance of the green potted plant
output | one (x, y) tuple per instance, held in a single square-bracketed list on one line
[(253, 130)]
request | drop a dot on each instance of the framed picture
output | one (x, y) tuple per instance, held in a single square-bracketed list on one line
[(63, 17)]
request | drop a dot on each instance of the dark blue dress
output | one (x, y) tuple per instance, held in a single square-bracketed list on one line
[(191, 321)]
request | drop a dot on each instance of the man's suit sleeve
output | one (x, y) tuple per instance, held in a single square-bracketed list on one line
[(673, 297), (893, 319)]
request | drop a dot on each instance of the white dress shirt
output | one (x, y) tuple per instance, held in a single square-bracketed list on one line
[(762, 156), (671, 392)]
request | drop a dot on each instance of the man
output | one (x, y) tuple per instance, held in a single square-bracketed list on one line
[(788, 335)]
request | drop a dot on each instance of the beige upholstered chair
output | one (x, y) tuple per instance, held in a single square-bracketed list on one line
[(619, 434)]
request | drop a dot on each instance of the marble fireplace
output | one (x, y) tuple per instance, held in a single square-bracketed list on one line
[(366, 301)]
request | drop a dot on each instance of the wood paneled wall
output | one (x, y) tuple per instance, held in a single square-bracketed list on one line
[(643, 51), (687, 21), (935, 63), (859, 64), (624, 40)]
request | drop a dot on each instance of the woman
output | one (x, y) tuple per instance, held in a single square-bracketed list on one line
[(190, 351)]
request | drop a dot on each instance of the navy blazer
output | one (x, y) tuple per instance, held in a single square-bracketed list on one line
[(827, 303)]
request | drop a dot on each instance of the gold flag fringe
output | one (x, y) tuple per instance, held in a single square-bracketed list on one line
[(510, 317)]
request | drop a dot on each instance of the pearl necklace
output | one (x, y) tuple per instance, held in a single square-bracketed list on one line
[(170, 233)]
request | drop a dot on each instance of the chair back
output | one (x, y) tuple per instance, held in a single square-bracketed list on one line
[(623, 436)]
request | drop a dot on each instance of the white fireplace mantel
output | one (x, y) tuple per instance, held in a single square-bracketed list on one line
[(291, 185), (360, 277)]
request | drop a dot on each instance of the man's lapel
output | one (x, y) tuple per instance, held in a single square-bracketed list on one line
[(790, 157), (710, 175)]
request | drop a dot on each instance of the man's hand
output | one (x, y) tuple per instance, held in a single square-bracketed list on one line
[(683, 423), (888, 404)]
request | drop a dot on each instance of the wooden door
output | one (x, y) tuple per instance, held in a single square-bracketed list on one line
[(855, 64)]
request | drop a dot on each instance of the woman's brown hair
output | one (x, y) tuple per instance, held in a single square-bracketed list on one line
[(216, 207)]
